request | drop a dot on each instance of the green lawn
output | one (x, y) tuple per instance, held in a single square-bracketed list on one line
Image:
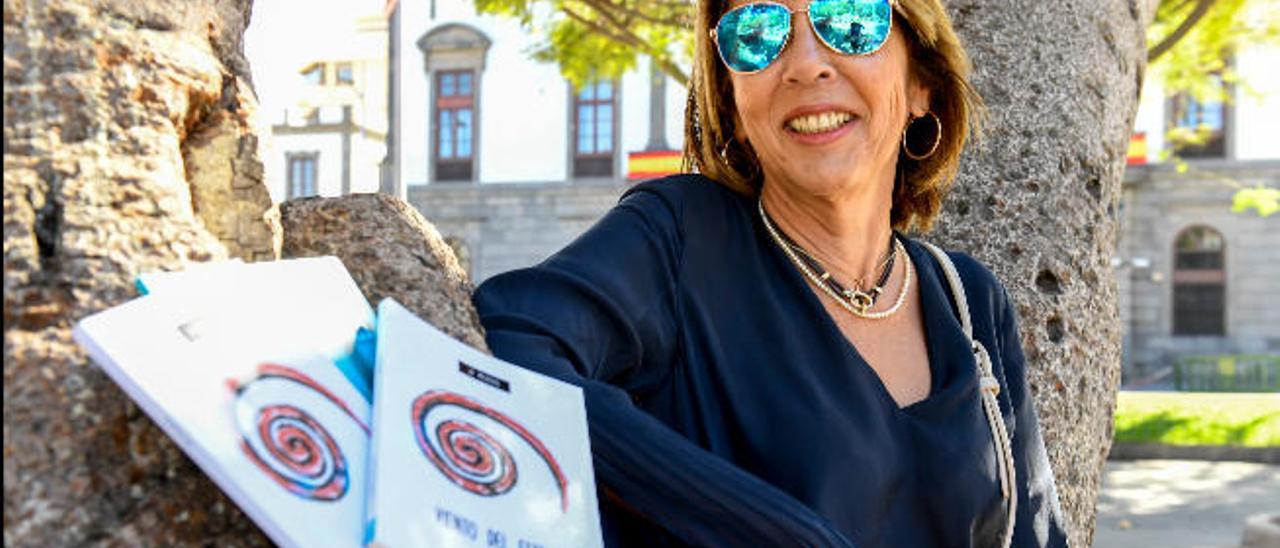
[(1198, 418)]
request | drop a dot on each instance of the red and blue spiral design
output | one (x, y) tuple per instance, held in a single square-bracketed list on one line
[(289, 444), (470, 457)]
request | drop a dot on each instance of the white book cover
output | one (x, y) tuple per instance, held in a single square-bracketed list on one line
[(165, 281), (241, 375), (310, 303), (469, 450)]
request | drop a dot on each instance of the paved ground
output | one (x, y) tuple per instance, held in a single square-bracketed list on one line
[(1182, 504)]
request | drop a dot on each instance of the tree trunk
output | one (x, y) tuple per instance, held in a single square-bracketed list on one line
[(1036, 201), (127, 149)]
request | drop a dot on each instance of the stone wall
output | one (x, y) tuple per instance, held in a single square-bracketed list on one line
[(1158, 204), (506, 226)]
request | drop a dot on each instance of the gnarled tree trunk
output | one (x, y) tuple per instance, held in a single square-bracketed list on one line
[(127, 148)]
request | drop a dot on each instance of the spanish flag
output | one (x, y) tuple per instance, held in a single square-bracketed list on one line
[(653, 163), (1137, 149)]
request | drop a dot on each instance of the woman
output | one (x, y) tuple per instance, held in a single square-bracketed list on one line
[(765, 360)]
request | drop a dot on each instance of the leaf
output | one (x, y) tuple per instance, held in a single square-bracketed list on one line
[(1264, 199)]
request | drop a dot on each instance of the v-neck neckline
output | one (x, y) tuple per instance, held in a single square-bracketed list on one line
[(942, 329)]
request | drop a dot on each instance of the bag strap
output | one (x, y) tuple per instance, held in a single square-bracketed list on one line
[(988, 388)]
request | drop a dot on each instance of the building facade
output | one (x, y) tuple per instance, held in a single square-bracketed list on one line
[(1195, 276), (498, 150), (331, 140)]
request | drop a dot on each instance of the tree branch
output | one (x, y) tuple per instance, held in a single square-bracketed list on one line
[(679, 19), (1166, 44), (622, 34), (1170, 8)]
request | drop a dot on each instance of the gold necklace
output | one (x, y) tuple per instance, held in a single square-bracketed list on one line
[(885, 267), (857, 302)]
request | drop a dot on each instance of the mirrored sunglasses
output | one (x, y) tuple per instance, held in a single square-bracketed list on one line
[(749, 38)]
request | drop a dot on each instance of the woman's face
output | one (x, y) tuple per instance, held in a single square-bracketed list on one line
[(825, 122)]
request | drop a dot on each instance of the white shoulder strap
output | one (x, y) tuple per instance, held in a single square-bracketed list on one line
[(989, 387), (957, 286)]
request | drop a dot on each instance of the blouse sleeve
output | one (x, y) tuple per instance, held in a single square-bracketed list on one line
[(602, 314), (1039, 515)]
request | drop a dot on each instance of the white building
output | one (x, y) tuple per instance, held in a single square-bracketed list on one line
[(1195, 277), (498, 150), (1246, 127), (331, 139), (472, 107)]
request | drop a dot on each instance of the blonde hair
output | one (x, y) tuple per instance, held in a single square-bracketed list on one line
[(937, 60)]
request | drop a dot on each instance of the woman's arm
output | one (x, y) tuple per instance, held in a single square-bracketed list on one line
[(1039, 521), (602, 314)]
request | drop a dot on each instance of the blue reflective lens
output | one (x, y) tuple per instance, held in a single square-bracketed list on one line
[(752, 36), (854, 27)]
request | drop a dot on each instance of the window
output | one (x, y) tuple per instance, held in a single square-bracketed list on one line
[(594, 108), (1199, 125), (455, 113), (454, 56), (314, 74), (301, 173), (344, 74), (1199, 282)]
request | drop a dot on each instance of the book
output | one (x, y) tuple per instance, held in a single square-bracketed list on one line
[(241, 371), (289, 285), (186, 279), (469, 450), (265, 374)]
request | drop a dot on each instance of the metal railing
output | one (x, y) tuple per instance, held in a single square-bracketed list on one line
[(1227, 373)]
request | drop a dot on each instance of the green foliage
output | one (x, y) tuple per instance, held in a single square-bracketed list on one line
[(1265, 200), (1190, 44), (595, 40), (1185, 58), (1201, 418)]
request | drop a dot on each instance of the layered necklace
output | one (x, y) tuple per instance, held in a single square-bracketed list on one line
[(854, 299)]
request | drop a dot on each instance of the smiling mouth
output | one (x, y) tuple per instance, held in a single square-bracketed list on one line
[(821, 122)]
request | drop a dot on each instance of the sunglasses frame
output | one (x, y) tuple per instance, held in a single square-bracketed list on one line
[(715, 38)]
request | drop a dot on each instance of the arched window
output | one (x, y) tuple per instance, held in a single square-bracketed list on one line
[(1199, 282)]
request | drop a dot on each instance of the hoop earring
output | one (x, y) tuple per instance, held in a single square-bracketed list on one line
[(747, 153), (937, 137)]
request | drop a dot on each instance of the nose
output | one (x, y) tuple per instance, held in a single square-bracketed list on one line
[(805, 60)]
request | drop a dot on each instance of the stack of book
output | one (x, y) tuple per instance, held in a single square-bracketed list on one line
[(330, 425)]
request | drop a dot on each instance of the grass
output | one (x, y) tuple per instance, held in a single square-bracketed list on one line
[(1198, 418)]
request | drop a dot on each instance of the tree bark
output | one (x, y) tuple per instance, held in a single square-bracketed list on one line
[(127, 149), (1036, 201)]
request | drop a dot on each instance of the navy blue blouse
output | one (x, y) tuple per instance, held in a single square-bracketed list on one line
[(725, 407)]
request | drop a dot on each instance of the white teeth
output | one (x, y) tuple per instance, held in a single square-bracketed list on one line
[(819, 123)]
